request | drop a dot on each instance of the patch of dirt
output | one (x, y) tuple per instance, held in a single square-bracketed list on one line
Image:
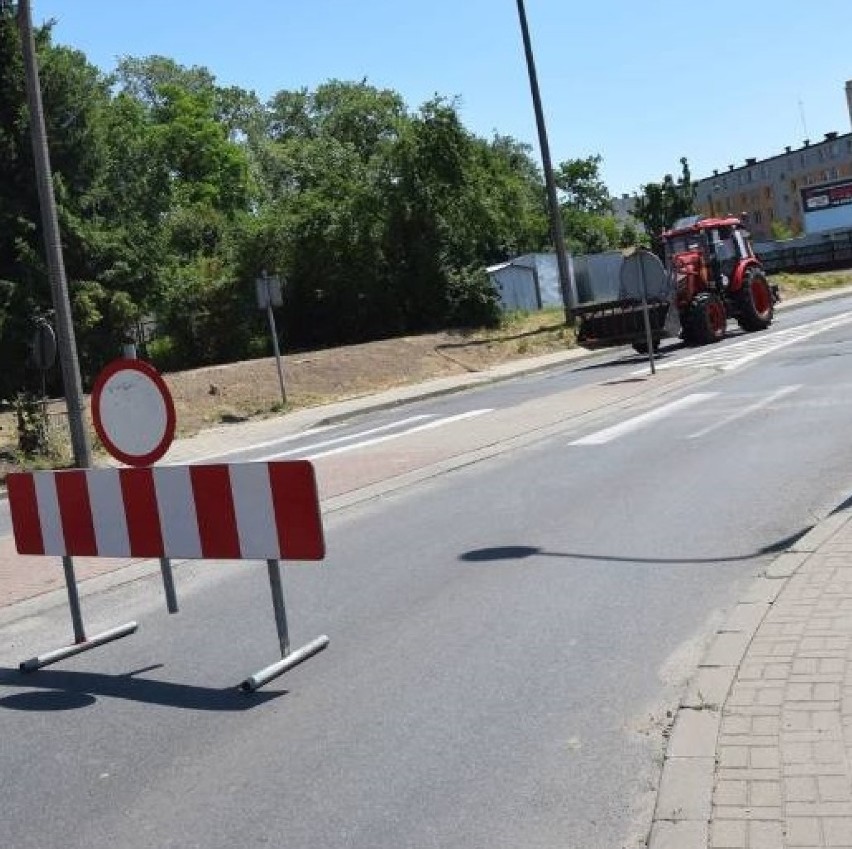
[(215, 395)]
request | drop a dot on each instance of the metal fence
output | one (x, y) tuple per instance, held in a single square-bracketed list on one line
[(833, 251)]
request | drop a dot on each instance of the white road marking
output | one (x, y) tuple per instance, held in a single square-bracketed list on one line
[(369, 443), (619, 430), (347, 438), (747, 411), (737, 354), (256, 445)]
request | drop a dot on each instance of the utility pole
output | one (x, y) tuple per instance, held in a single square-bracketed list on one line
[(74, 398), (552, 200)]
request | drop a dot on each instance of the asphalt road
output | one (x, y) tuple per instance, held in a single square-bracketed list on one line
[(506, 637)]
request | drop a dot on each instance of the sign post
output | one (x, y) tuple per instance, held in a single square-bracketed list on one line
[(268, 296), (134, 416), (43, 354), (639, 270)]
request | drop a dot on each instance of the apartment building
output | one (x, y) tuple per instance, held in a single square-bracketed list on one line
[(770, 190)]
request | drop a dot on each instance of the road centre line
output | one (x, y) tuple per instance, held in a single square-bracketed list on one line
[(337, 440), (417, 429), (637, 422), (747, 411)]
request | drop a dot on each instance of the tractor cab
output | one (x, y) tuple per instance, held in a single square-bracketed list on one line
[(714, 247)]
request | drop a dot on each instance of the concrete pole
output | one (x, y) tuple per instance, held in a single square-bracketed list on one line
[(74, 397), (553, 202), (849, 99)]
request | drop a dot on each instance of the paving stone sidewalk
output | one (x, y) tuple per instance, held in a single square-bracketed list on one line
[(760, 755)]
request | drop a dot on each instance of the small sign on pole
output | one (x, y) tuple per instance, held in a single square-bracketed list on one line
[(269, 295)]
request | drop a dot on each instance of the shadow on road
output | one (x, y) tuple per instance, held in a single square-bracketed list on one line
[(521, 552), (627, 359), (55, 690)]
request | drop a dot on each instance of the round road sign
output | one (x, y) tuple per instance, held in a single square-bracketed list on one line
[(133, 412), (642, 274)]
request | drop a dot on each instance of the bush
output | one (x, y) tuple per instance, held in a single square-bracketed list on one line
[(163, 354), (472, 300)]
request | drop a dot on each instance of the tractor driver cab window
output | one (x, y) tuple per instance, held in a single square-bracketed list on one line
[(725, 247), (743, 243)]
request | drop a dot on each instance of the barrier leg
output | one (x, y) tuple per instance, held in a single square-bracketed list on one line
[(169, 584), (288, 659), (73, 600), (274, 568), (35, 663), (81, 643)]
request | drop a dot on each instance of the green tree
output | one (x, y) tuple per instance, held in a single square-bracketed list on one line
[(781, 230), (75, 95), (586, 206), (581, 185), (661, 204)]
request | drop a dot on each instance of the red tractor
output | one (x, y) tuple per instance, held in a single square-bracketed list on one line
[(716, 276)]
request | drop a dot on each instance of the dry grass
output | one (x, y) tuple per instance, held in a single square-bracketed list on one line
[(226, 393), (800, 284)]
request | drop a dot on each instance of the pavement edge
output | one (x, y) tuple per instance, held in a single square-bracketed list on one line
[(683, 809)]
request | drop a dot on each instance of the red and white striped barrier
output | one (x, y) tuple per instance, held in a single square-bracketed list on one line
[(241, 511)]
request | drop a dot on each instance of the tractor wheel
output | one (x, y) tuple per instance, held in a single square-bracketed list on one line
[(755, 302), (706, 320)]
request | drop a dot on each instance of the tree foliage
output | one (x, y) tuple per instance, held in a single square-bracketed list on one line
[(174, 193), (661, 204)]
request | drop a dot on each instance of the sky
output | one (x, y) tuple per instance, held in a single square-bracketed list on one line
[(639, 83)]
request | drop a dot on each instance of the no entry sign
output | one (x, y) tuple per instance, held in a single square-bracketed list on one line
[(133, 412)]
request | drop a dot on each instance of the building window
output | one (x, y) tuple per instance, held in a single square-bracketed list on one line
[(834, 173)]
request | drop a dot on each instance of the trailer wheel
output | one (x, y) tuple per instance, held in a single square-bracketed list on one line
[(755, 301), (642, 347), (706, 320)]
